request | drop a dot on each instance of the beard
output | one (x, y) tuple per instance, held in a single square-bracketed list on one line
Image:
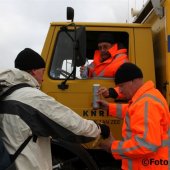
[(104, 56)]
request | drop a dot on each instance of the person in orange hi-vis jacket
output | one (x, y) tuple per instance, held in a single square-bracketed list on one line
[(146, 123), (107, 59)]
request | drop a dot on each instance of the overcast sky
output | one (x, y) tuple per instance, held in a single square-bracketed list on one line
[(25, 23)]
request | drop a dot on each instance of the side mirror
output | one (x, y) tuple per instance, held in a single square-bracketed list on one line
[(80, 50), (70, 13)]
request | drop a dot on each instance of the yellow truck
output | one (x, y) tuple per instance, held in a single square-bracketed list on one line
[(70, 45)]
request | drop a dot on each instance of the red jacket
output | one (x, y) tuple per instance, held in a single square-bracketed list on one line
[(145, 131), (110, 66)]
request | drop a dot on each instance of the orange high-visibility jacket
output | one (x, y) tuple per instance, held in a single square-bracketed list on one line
[(145, 131), (110, 66)]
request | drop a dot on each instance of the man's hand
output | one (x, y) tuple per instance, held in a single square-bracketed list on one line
[(103, 104), (111, 92), (84, 71), (105, 130), (103, 91), (105, 133), (107, 143)]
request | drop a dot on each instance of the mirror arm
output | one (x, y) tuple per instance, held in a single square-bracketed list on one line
[(63, 84)]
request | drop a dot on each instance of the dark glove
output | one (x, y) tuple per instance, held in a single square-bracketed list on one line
[(105, 130), (113, 93)]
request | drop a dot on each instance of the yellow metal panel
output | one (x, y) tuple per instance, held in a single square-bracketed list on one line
[(47, 43), (104, 25), (144, 52)]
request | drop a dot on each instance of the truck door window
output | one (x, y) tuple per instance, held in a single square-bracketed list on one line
[(62, 62)]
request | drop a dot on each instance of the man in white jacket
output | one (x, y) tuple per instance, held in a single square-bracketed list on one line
[(37, 155)]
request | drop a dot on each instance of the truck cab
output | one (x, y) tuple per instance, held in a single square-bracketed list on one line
[(76, 92)]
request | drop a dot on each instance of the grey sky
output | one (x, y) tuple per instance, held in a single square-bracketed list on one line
[(25, 23)]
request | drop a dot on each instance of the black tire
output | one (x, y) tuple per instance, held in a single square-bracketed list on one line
[(71, 156)]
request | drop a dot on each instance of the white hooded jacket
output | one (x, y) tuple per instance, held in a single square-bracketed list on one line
[(36, 156)]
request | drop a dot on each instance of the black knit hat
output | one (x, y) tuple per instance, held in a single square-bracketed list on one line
[(127, 72), (28, 59), (106, 37)]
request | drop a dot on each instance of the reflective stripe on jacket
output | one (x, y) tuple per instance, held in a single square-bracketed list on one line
[(145, 131), (110, 66)]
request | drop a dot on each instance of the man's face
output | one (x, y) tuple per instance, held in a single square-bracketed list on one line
[(38, 74), (127, 89), (103, 48)]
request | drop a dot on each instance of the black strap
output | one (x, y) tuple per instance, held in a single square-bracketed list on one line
[(12, 89), (7, 93), (20, 149)]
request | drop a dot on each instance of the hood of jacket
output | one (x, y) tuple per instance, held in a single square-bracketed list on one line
[(11, 77)]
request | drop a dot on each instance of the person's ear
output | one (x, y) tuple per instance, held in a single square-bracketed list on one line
[(33, 72)]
